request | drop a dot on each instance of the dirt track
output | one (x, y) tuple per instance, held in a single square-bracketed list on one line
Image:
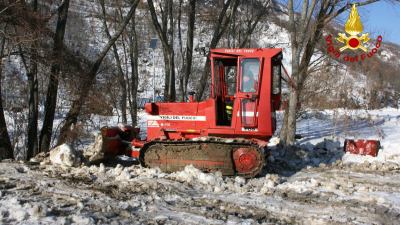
[(337, 194)]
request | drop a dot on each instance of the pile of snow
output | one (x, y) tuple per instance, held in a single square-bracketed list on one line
[(387, 156), (65, 155), (95, 152), (213, 181), (14, 209)]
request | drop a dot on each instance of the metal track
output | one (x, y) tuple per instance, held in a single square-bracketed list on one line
[(208, 154)]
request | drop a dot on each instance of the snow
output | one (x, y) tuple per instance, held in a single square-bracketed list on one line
[(278, 37), (103, 194), (386, 55), (331, 127), (192, 175), (64, 155), (314, 183)]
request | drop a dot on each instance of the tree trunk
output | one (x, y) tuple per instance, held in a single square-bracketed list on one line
[(6, 150), (284, 128), (171, 97), (191, 14), (181, 54), (51, 97), (291, 118), (121, 79), (167, 73), (171, 89), (167, 40), (90, 78), (128, 77), (134, 55), (32, 148)]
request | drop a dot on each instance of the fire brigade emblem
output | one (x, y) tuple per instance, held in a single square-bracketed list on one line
[(353, 27)]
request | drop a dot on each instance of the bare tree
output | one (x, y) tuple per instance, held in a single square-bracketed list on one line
[(165, 32), (305, 29), (120, 72), (90, 78), (134, 56), (129, 41), (180, 63), (187, 58), (52, 90), (32, 143), (6, 150), (259, 10), (227, 12)]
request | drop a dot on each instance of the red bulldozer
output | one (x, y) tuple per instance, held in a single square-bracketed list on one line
[(228, 132)]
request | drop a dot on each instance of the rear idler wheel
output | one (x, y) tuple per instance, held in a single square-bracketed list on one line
[(248, 161)]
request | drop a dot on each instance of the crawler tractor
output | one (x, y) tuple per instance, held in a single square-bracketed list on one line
[(228, 132)]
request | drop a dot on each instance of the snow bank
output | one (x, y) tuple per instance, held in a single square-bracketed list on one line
[(327, 130), (16, 210), (64, 155), (215, 182), (95, 152), (192, 175)]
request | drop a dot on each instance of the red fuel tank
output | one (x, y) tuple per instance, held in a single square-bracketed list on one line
[(362, 147), (116, 139)]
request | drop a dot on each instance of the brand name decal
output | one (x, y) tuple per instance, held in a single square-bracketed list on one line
[(177, 117)]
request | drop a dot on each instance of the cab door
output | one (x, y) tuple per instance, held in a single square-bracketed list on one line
[(249, 79)]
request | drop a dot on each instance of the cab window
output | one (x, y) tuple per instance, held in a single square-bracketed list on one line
[(276, 79), (250, 73)]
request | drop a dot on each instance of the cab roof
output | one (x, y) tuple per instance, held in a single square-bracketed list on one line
[(245, 52)]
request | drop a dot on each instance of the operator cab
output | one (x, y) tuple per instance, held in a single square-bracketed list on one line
[(237, 87)]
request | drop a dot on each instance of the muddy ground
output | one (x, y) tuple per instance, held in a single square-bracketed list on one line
[(289, 192)]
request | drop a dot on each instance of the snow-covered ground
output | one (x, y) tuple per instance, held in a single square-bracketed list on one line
[(337, 125), (315, 184)]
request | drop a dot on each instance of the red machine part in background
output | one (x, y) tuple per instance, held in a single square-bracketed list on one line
[(116, 140), (362, 147)]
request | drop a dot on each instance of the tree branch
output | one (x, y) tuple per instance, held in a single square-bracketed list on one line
[(346, 7), (160, 30)]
